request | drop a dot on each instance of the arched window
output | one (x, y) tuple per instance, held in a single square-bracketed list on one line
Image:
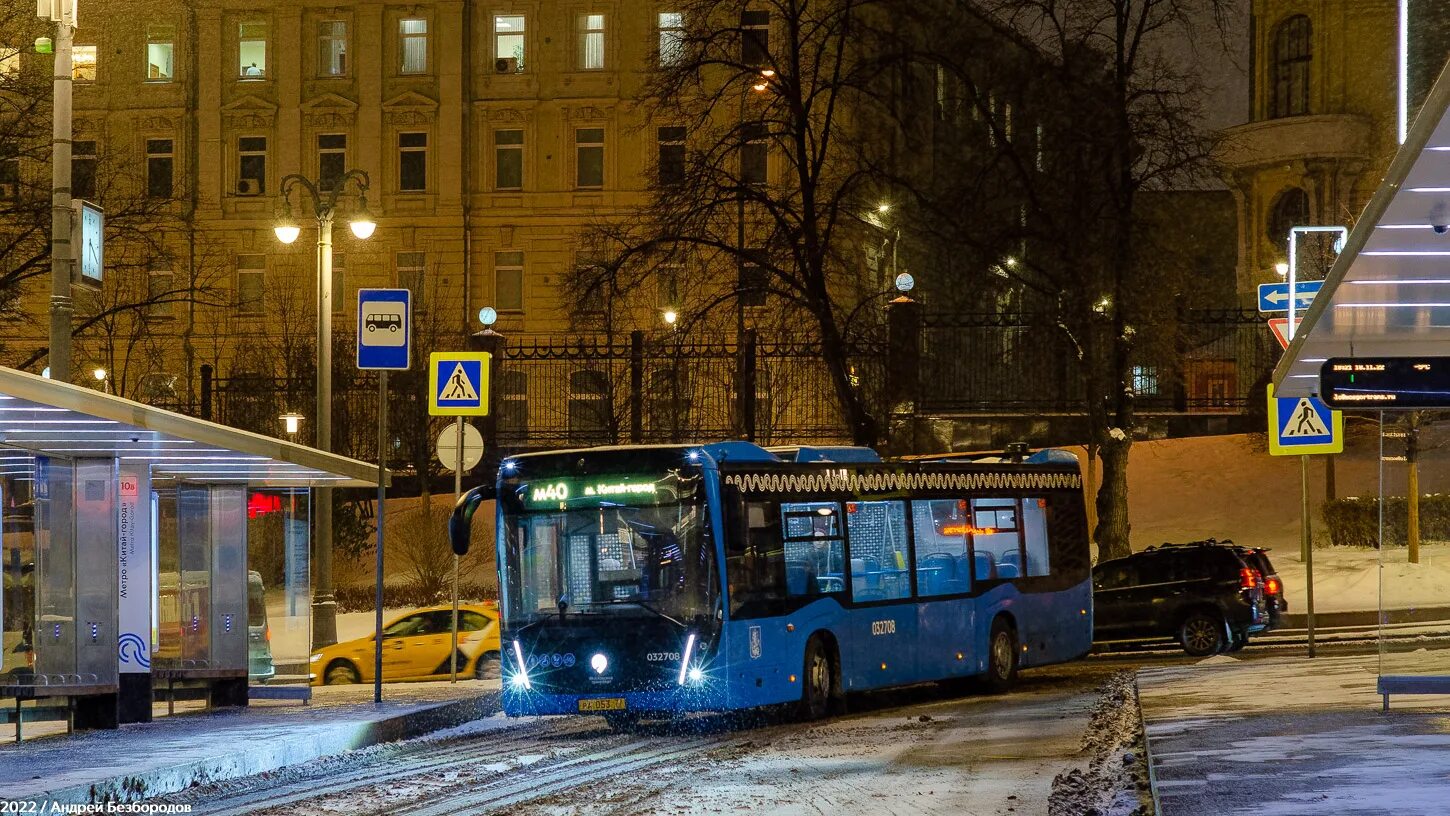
[(1293, 53), (1291, 209)]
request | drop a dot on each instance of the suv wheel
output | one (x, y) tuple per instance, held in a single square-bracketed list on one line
[(1201, 634)]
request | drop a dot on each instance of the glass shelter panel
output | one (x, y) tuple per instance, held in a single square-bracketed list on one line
[(18, 539), (279, 595), (1410, 525)]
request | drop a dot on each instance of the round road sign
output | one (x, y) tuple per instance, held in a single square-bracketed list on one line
[(448, 446)]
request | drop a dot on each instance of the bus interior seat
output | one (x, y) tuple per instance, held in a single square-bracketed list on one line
[(1012, 557), (937, 573), (797, 579), (1006, 570), (986, 570)]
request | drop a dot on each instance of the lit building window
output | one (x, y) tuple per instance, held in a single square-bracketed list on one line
[(160, 54), (83, 63), (252, 51), (413, 45), (9, 61), (672, 37), (508, 38), (591, 42), (332, 48)]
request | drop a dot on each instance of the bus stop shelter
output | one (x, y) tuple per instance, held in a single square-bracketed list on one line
[(1388, 295), (141, 547)]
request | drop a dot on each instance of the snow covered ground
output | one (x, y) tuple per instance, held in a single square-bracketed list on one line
[(1295, 736)]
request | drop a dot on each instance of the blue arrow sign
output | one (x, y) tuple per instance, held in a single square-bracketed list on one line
[(1274, 297), (384, 329)]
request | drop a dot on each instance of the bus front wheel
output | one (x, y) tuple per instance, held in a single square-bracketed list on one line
[(817, 681), (1001, 657)]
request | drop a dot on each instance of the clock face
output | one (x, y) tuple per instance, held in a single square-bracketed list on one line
[(92, 244)]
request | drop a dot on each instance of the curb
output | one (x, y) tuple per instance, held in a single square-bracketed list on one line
[(271, 756), (1368, 617), (1147, 749)]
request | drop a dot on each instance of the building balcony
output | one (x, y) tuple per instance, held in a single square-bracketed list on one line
[(1295, 138)]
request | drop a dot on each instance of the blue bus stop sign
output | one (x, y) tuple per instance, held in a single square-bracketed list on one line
[(384, 329)]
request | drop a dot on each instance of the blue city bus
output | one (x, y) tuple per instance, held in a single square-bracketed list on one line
[(643, 581)]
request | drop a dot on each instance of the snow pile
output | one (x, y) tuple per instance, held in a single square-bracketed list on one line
[(1115, 782)]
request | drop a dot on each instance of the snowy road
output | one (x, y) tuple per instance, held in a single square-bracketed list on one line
[(916, 751)]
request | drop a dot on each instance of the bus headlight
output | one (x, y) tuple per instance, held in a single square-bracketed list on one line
[(520, 678), (695, 675)]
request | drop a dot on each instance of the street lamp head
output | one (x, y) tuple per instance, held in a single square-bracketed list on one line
[(671, 316), (884, 207), (287, 228), (99, 374), (767, 72), (363, 224), (292, 421), (1282, 268)]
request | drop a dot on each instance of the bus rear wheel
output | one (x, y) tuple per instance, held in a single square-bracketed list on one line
[(1001, 658), (818, 678)]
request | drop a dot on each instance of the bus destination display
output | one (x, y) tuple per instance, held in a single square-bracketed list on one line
[(1385, 382)]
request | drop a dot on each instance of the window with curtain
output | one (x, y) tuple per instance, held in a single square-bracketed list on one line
[(591, 42), (509, 37), (413, 45), (1293, 56), (332, 48)]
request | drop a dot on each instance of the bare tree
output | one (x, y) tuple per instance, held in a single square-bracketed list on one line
[(1076, 112), (769, 179)]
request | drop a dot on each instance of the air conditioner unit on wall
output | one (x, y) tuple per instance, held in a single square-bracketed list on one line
[(506, 65), (249, 187)]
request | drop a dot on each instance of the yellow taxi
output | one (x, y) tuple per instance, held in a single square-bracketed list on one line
[(415, 647)]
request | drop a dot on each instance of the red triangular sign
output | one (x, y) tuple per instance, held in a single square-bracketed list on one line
[(1280, 327)]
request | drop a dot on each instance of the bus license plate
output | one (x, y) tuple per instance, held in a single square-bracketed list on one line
[(602, 704)]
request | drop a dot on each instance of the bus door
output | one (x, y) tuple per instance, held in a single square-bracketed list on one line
[(880, 646), (943, 564)]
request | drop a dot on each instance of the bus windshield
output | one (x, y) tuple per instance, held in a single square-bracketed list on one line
[(610, 558)]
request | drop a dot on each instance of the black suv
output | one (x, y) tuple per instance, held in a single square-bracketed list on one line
[(1207, 596)]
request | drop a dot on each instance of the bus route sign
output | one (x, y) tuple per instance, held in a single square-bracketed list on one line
[(384, 329)]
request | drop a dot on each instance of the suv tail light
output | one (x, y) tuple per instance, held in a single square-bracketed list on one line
[(1271, 586), (1248, 578)]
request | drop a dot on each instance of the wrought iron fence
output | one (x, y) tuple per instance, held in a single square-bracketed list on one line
[(553, 392), (1200, 361)]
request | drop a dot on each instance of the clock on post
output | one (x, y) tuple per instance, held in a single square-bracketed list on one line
[(88, 241)]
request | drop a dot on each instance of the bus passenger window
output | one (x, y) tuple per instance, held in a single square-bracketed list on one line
[(1035, 514), (878, 550), (815, 554), (996, 533), (943, 565)]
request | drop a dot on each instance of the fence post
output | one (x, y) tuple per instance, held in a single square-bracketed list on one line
[(636, 386), (903, 355), (745, 377), (206, 371)]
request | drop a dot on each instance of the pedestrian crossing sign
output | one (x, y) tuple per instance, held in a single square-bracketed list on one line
[(1303, 425), (458, 383)]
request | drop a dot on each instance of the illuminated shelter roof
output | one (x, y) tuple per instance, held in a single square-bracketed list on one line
[(49, 418), (1388, 293)]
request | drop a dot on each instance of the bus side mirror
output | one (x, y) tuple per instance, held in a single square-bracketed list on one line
[(460, 523)]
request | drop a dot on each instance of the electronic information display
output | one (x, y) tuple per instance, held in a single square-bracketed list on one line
[(1385, 383)]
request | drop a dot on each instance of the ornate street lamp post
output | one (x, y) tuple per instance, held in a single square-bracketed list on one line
[(324, 208)]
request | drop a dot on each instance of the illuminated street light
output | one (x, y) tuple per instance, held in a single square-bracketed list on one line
[(99, 374), (1282, 268), (670, 317), (292, 422), (324, 209), (884, 207)]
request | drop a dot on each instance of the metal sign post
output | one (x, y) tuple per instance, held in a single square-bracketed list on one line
[(457, 491), (384, 343), (1306, 546)]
